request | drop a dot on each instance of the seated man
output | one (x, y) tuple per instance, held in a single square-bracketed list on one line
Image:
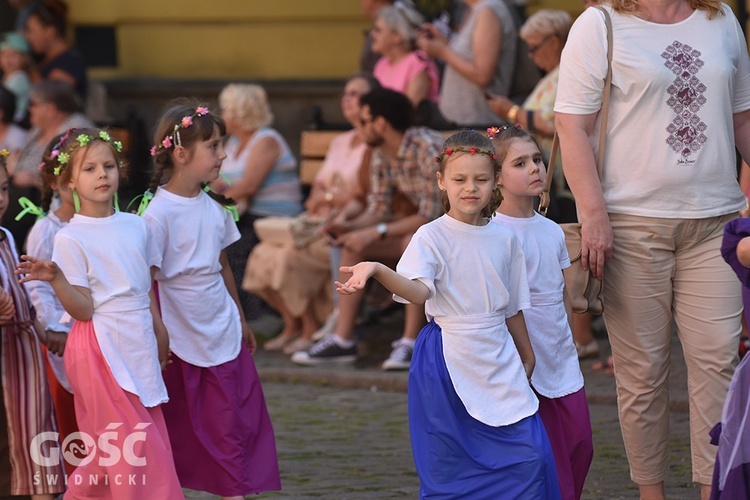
[(403, 165)]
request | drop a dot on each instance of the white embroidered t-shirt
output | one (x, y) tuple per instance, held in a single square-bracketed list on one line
[(670, 139)]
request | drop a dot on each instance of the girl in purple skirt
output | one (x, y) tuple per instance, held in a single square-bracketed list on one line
[(557, 378), (218, 424)]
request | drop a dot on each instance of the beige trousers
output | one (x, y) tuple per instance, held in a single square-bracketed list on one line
[(665, 270)]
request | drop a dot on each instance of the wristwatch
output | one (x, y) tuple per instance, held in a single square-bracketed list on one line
[(382, 229)]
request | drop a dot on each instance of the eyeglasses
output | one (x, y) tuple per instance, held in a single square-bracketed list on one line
[(538, 46)]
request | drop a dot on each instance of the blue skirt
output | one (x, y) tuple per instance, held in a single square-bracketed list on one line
[(457, 456)]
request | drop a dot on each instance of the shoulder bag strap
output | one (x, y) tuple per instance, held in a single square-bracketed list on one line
[(544, 198)]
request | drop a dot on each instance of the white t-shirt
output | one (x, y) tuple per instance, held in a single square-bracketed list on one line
[(49, 310), (202, 319), (557, 372), (670, 139), (477, 278), (112, 257)]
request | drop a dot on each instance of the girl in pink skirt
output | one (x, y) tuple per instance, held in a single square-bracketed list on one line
[(217, 411), (100, 272)]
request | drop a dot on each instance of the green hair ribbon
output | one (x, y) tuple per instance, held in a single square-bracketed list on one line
[(29, 208)]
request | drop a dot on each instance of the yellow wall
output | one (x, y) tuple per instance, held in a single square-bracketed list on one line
[(238, 39), (229, 39)]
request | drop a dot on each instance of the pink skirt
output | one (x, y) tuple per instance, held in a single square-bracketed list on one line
[(132, 455), (221, 433)]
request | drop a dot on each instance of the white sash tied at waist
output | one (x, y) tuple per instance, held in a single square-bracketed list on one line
[(486, 369)]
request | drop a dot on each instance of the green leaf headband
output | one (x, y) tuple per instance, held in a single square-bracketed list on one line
[(83, 140)]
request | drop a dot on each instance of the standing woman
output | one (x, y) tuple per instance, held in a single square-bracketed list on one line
[(46, 30), (260, 174), (680, 103), (479, 58)]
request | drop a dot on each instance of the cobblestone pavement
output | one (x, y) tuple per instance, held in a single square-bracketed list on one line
[(342, 432), (354, 443)]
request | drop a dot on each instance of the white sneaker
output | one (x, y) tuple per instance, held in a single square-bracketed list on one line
[(400, 357), (328, 327)]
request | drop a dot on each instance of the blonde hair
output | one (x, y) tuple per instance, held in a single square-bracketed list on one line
[(547, 22), (247, 104), (713, 7)]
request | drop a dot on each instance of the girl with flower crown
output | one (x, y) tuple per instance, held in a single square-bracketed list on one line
[(217, 410), (49, 310), (473, 418), (100, 272), (557, 378)]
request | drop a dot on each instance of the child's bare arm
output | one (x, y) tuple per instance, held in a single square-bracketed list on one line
[(76, 300), (568, 307), (517, 328), (160, 330), (226, 273), (743, 251), (412, 290)]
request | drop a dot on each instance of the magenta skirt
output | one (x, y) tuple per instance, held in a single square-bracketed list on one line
[(221, 434)]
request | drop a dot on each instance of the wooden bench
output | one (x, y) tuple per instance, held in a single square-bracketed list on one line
[(313, 148)]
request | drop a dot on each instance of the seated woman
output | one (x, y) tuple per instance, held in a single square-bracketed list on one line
[(54, 108), (545, 33), (402, 67), (12, 137), (259, 172), (297, 282)]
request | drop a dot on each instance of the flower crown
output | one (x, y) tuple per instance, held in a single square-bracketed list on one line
[(173, 139), (63, 157), (461, 149), (493, 132), (4, 153)]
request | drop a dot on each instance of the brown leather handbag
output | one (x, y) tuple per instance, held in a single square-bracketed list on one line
[(585, 292)]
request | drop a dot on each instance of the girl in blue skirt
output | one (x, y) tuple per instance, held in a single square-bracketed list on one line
[(473, 418)]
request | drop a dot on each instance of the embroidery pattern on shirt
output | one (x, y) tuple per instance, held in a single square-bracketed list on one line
[(686, 131)]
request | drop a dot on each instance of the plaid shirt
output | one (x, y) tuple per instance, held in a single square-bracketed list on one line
[(411, 173)]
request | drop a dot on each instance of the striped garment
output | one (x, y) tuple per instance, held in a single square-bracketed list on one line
[(26, 395)]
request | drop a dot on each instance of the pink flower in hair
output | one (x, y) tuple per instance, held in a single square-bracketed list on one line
[(153, 150), (449, 151), (54, 154), (201, 111), (187, 121), (167, 142), (492, 132), (472, 151)]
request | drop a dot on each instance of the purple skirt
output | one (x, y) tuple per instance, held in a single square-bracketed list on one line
[(222, 438)]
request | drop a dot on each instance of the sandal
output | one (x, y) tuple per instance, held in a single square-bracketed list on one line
[(278, 342), (608, 366)]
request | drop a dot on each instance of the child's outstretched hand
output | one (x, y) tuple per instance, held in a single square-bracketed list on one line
[(360, 274), (36, 269), (7, 307)]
